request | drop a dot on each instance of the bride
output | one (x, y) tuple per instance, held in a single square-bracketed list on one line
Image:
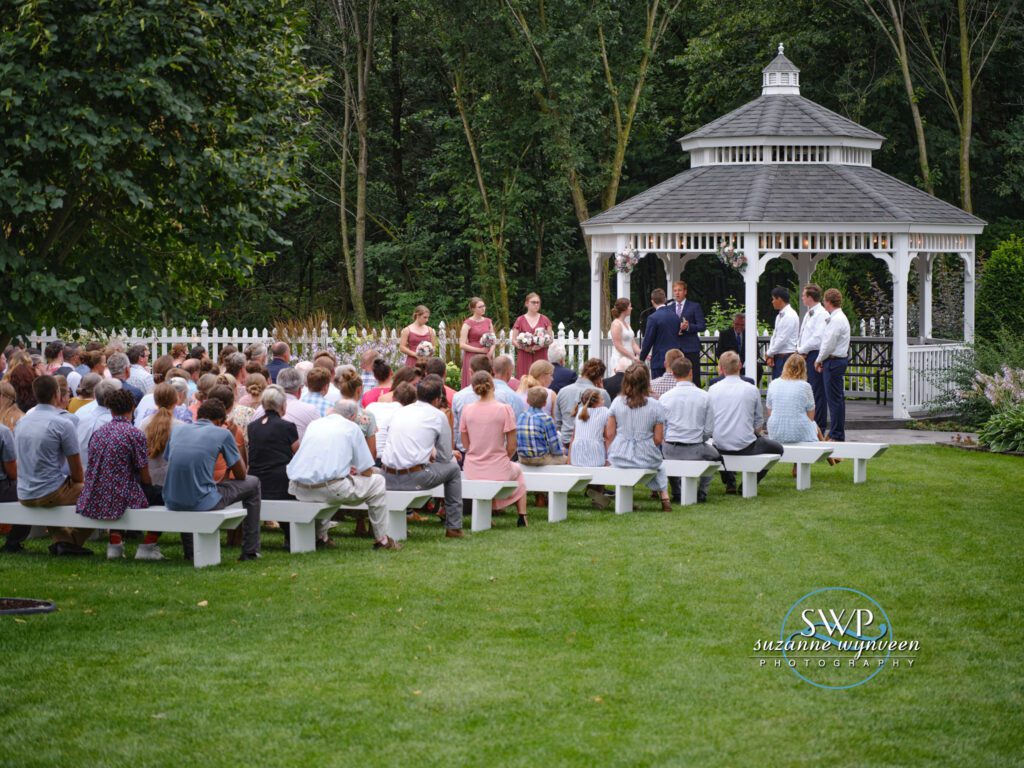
[(623, 339)]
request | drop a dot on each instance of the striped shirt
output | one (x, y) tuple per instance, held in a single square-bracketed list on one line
[(318, 401), (587, 448)]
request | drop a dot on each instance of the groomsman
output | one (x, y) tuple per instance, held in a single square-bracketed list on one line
[(787, 331), (832, 361), (811, 330)]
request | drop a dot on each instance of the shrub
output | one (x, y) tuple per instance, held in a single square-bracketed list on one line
[(1000, 305), (1004, 389), (1005, 430)]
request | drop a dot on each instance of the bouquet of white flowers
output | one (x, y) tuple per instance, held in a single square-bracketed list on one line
[(488, 340), (526, 340), (424, 349), (626, 259), (542, 337)]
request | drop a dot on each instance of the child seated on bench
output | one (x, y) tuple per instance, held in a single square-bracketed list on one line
[(536, 436)]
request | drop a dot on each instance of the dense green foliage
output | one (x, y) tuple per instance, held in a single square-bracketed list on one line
[(604, 640), (1004, 431), (1000, 298), (147, 152)]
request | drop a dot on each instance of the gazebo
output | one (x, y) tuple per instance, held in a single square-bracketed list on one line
[(783, 177)]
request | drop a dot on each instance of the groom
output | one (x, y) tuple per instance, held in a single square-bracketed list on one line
[(674, 326)]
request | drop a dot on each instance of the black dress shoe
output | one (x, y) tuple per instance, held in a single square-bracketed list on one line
[(731, 489), (67, 549), (12, 549), (702, 498), (249, 556), (522, 522)]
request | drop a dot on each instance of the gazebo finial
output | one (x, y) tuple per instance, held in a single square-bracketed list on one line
[(782, 49)]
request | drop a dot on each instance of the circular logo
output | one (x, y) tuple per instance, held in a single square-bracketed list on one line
[(836, 637)]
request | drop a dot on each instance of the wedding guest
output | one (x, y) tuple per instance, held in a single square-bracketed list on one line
[(234, 365), (689, 424), (623, 338), (812, 328), (317, 382), (636, 429), (789, 405), (238, 414), (613, 383), (405, 374), (85, 394), (255, 383), (786, 333), (415, 334), (382, 413), (473, 328), (9, 489), (157, 428), (257, 353), (350, 386), (112, 479), (179, 352), (226, 395), (382, 374), (298, 413), (530, 322), (366, 361), (503, 393), (118, 366), (91, 416), (272, 444), (591, 377), (560, 376), (139, 375), (435, 366), (489, 436), (466, 395), (589, 445), (832, 360), (282, 356), (667, 381), (22, 377), (536, 437), (10, 413), (541, 375)]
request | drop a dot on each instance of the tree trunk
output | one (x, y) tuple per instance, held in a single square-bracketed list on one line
[(967, 112), (915, 109)]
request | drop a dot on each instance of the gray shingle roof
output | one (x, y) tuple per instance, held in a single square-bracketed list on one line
[(811, 194), (782, 115), (781, 64)]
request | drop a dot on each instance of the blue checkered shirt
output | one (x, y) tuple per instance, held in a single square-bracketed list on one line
[(369, 381), (536, 435), (318, 401)]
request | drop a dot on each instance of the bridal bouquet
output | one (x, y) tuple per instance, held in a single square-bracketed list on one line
[(626, 259), (424, 349), (488, 340)]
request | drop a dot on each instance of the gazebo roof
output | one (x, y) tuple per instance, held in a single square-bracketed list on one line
[(781, 115), (790, 193)]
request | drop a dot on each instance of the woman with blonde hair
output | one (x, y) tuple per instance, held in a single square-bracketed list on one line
[(473, 328), (789, 405), (10, 413), (636, 430), (157, 428), (255, 383), (541, 374), (529, 322), (415, 334)]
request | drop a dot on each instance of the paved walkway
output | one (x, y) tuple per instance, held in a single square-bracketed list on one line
[(902, 436)]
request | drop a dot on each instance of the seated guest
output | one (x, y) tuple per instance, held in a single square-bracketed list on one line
[(334, 465), (613, 383), (541, 374), (560, 375), (503, 368), (198, 352), (298, 413), (194, 370), (434, 366), (382, 413), (257, 353), (738, 417), (282, 355), (790, 405), (86, 392), (591, 377), (536, 437), (192, 453), (404, 375), (226, 395), (10, 413), (139, 375), (255, 383), (466, 395), (317, 382), (350, 387), (112, 479), (118, 366), (272, 443), (234, 365), (157, 428), (689, 424), (489, 437), (94, 415), (588, 447), (9, 488), (636, 430), (366, 369), (667, 381), (239, 415), (382, 374), (179, 352), (21, 377), (49, 466), (418, 453)]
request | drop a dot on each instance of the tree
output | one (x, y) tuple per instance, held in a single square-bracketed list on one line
[(146, 150), (1000, 310)]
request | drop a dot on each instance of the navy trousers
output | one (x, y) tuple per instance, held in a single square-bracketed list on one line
[(832, 373), (817, 383), (778, 362)]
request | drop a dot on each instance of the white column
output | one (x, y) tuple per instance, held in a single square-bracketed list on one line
[(900, 353), (750, 275), (924, 264), (804, 270), (596, 265), (968, 257), (622, 284), (675, 271)]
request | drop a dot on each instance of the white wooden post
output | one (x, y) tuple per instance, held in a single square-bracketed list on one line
[(750, 274), (804, 270), (596, 265), (204, 339), (900, 352), (622, 284), (924, 263), (968, 257)]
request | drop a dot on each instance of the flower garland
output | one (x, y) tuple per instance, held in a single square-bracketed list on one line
[(729, 255), (626, 259)]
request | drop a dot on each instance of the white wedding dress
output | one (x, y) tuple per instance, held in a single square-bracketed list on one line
[(627, 343)]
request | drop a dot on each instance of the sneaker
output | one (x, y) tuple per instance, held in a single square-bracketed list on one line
[(149, 552), (601, 501), (115, 551)]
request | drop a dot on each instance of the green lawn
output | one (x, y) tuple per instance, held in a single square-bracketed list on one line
[(603, 640)]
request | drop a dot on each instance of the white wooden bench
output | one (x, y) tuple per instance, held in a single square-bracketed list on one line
[(398, 503), (803, 455), (749, 466), (204, 526), (623, 479), (301, 516), (690, 473), (860, 453), (482, 493), (558, 482)]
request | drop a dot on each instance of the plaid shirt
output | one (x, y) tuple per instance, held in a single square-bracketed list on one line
[(369, 382), (318, 401), (536, 435), (663, 384)]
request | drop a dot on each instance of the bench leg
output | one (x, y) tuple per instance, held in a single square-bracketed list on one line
[(803, 477), (558, 507), (206, 549), (301, 537), (688, 490), (623, 499), (860, 470), (398, 525), (749, 485), (481, 515)]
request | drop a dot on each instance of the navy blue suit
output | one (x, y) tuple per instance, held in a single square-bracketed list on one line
[(562, 377), (275, 366), (662, 334)]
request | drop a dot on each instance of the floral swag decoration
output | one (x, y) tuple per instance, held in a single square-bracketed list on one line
[(729, 255), (626, 259)]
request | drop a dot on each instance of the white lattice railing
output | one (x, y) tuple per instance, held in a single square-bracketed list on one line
[(928, 364)]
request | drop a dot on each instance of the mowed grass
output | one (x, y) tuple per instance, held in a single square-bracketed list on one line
[(602, 640)]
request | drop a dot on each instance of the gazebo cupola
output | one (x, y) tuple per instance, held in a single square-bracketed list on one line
[(782, 177)]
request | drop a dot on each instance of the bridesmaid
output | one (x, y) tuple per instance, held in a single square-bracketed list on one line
[(528, 323), (473, 327), (415, 334)]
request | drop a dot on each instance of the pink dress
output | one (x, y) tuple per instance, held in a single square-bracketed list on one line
[(415, 339), (525, 359), (485, 423), (477, 328)]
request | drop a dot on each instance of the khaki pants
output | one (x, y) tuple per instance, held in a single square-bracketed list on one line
[(541, 461), (353, 489), (65, 496)]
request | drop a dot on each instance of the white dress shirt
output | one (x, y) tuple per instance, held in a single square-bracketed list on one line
[(688, 414), (331, 447), (88, 422), (416, 432), (835, 340), (737, 410), (812, 329), (787, 332)]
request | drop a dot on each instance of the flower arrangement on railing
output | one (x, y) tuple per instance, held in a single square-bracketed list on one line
[(488, 340), (626, 259), (731, 256), (424, 349)]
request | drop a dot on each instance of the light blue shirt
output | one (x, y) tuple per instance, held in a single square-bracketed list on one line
[(191, 455), (43, 439), (331, 447), (737, 412), (688, 415), (6, 449), (503, 393), (462, 398)]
